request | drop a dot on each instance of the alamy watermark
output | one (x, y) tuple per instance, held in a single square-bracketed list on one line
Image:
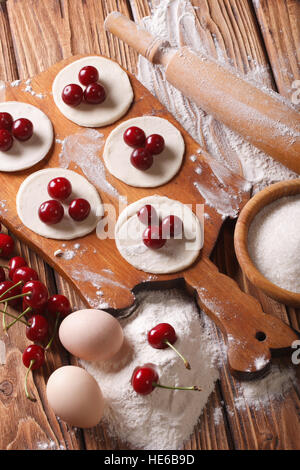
[(296, 94)]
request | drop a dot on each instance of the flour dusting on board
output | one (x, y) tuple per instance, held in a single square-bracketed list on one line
[(83, 149), (176, 22)]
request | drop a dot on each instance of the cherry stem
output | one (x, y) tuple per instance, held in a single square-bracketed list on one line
[(3, 316), (28, 309), (26, 378), (193, 388), (186, 363), (54, 332), (10, 288), (4, 267), (19, 296), (13, 316)]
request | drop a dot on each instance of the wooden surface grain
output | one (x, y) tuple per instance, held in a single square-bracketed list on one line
[(34, 34)]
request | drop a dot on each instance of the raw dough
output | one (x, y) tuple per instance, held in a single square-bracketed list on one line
[(175, 255), (117, 154), (119, 94), (23, 155), (33, 191)]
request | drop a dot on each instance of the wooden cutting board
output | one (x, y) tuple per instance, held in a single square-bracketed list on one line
[(251, 334)]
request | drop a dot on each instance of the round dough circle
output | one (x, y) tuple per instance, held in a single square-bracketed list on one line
[(175, 255), (119, 94), (23, 155), (165, 165), (33, 191)]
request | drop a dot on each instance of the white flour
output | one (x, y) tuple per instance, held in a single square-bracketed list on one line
[(164, 419), (274, 242), (176, 22)]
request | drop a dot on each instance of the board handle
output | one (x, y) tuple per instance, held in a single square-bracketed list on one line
[(252, 336)]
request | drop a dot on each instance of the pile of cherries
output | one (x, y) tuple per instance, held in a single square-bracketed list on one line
[(51, 212), (20, 129), (158, 231), (94, 93), (145, 378), (144, 148), (24, 292)]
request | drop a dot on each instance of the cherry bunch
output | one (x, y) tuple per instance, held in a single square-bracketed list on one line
[(145, 378), (20, 129), (23, 290), (144, 148), (51, 212), (158, 231), (94, 93)]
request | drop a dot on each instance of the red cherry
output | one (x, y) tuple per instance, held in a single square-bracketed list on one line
[(94, 93), (51, 212), (34, 353), (12, 292), (79, 209), (25, 274), (72, 94), (22, 129), (58, 304), (6, 245), (141, 159), (6, 121), (172, 226), (2, 275), (88, 75), (37, 294), (37, 329), (6, 140), (148, 215), (59, 188), (162, 336), (144, 380), (152, 237), (15, 263), (155, 144), (134, 137)]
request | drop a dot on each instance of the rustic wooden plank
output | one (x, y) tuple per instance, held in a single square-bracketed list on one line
[(279, 23), (8, 66)]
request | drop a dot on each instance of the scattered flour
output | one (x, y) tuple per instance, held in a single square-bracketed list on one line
[(176, 22), (274, 242)]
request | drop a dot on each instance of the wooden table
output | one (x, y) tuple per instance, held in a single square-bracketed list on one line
[(34, 34)]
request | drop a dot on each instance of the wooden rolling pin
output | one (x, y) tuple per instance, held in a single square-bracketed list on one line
[(264, 119)]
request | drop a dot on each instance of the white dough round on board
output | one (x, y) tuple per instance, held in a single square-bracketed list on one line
[(33, 192), (23, 155), (176, 254), (165, 165), (119, 93)]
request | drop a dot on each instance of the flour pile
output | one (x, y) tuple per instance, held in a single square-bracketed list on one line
[(176, 22), (164, 419)]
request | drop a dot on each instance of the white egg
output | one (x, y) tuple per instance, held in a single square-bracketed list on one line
[(75, 396), (92, 335)]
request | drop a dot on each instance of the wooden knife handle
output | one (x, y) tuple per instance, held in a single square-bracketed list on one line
[(252, 336)]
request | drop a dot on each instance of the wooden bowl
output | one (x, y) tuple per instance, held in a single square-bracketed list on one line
[(251, 209)]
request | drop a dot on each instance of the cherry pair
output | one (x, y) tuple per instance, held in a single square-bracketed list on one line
[(20, 129), (157, 232), (142, 157), (51, 212), (94, 92), (145, 379)]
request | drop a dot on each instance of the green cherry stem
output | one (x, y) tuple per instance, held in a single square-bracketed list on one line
[(54, 332), (28, 309), (26, 378), (14, 317), (19, 296), (3, 316), (10, 288), (186, 363), (194, 387)]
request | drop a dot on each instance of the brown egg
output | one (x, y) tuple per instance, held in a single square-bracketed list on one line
[(75, 396), (93, 335)]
